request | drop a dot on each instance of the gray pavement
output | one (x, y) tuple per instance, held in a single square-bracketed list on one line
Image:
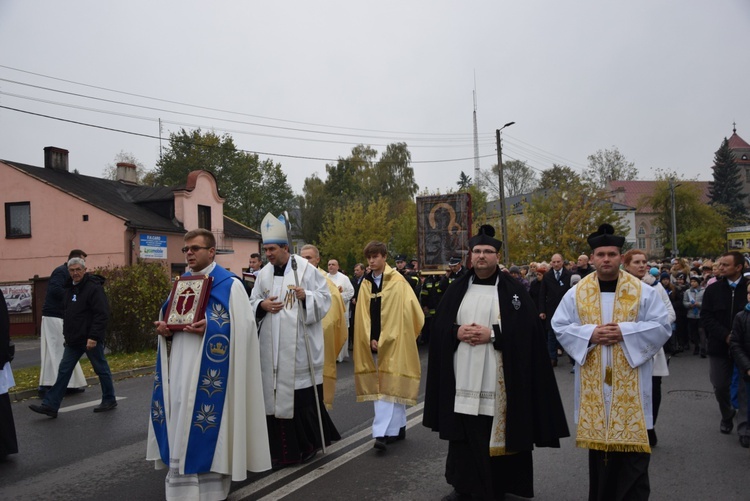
[(692, 460), (82, 455)]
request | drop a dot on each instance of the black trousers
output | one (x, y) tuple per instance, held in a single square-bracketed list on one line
[(473, 473), (618, 476)]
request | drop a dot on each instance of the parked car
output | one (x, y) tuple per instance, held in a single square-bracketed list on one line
[(19, 302)]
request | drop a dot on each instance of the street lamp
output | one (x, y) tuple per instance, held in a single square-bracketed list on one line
[(672, 186), (503, 215)]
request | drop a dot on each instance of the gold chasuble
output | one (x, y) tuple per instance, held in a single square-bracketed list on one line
[(396, 377), (624, 428), (335, 334)]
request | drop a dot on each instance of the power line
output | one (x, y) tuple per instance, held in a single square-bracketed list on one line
[(163, 110), (460, 134), (205, 126), (263, 153), (458, 139)]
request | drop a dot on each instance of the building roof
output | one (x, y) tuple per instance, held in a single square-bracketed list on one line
[(737, 143), (514, 204), (632, 192), (123, 199)]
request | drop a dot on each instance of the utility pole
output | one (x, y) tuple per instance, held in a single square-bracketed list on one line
[(675, 251), (503, 215), (476, 138), (161, 156)]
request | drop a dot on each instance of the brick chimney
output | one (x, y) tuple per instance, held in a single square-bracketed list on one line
[(126, 173), (55, 158)]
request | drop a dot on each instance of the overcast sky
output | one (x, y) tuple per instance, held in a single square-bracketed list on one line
[(303, 82)]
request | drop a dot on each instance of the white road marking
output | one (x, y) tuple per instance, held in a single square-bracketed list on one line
[(85, 405), (248, 490)]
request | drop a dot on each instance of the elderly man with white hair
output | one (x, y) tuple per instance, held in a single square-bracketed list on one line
[(84, 326)]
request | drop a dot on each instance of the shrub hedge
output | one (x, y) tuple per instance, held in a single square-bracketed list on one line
[(135, 294)]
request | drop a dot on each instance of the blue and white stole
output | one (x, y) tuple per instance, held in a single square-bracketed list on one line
[(212, 383)]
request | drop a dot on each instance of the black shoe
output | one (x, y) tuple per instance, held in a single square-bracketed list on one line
[(73, 391), (401, 436), (456, 496), (727, 425), (307, 457), (745, 441), (652, 440), (703, 354), (380, 443), (105, 406), (43, 409)]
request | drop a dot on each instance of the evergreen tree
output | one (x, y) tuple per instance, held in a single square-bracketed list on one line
[(726, 188), (464, 181)]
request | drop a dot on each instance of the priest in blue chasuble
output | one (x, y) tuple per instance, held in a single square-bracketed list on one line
[(206, 423)]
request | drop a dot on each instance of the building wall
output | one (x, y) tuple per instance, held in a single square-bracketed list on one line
[(237, 261), (205, 193), (57, 226)]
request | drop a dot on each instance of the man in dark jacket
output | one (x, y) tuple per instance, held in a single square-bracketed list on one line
[(84, 326), (487, 327), (455, 271), (555, 283), (722, 300), (52, 343)]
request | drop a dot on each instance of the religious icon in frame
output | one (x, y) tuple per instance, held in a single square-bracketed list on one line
[(187, 302)]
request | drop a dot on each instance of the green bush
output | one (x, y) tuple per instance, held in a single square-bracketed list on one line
[(135, 295)]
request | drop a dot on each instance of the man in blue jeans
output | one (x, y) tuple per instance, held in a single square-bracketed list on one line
[(84, 326)]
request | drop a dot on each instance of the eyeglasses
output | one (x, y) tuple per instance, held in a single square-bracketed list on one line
[(487, 252), (193, 249)]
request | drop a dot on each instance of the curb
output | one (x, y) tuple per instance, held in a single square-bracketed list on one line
[(18, 396)]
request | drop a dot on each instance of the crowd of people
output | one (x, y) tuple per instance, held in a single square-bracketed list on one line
[(227, 344)]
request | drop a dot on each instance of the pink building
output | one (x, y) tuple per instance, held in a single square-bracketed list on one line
[(50, 210)]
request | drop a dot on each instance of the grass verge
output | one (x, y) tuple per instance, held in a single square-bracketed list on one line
[(28, 377)]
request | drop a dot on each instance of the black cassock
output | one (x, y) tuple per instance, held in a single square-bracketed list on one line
[(535, 414), (8, 442)]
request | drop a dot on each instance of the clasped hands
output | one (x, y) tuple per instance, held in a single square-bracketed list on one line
[(474, 334), (607, 334)]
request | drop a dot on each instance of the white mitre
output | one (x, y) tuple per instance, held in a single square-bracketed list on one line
[(273, 230)]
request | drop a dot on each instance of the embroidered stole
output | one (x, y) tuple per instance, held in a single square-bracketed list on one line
[(212, 383), (625, 429)]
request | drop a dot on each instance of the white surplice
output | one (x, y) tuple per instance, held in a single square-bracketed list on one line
[(642, 339), (52, 346), (284, 360)]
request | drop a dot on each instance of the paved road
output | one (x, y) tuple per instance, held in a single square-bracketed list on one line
[(82, 455)]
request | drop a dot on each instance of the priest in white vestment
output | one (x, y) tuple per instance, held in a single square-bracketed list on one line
[(612, 325), (206, 423), (290, 300)]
